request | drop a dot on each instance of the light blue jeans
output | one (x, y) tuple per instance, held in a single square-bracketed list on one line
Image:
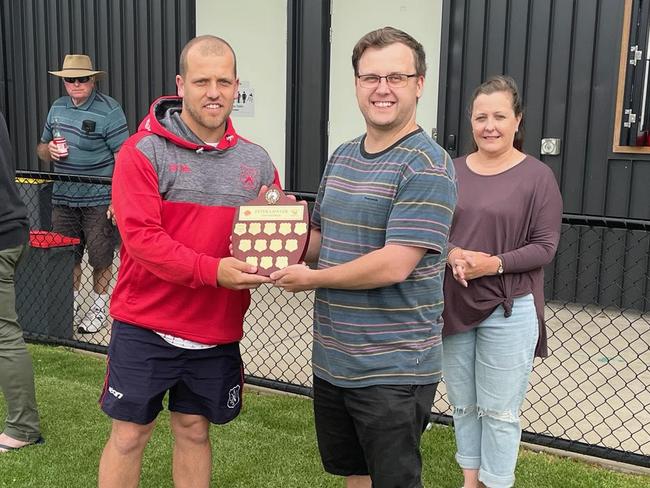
[(486, 371)]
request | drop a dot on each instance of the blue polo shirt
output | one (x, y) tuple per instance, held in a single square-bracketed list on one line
[(94, 131), (404, 195)]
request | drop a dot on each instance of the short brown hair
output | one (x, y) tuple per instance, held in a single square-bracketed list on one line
[(210, 45), (503, 83), (385, 37)]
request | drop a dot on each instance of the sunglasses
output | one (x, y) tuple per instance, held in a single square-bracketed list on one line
[(80, 79)]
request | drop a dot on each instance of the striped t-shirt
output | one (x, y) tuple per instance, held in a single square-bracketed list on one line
[(94, 131), (403, 195)]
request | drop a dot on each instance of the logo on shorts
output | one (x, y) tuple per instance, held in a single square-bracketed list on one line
[(233, 397), (115, 393)]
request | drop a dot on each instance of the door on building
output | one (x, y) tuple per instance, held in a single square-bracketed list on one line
[(257, 31), (350, 21)]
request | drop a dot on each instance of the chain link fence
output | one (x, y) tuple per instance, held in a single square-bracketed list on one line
[(590, 396)]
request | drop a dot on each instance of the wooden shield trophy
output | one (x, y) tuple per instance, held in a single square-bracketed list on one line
[(270, 232)]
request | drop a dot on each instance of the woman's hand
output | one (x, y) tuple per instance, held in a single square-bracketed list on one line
[(457, 263), (468, 265)]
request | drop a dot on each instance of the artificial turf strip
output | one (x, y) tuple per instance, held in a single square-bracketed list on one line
[(271, 444)]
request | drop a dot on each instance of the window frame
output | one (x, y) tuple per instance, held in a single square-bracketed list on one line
[(622, 86)]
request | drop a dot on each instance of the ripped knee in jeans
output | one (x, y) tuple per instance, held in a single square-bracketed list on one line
[(503, 416), (463, 410)]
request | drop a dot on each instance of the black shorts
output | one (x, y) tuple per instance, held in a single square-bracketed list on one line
[(142, 367), (94, 230), (373, 431)]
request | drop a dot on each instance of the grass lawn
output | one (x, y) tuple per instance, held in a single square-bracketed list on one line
[(271, 444)]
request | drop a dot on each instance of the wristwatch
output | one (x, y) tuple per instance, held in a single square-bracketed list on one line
[(500, 268)]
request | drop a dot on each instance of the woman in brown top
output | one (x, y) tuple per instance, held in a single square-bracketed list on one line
[(505, 229)]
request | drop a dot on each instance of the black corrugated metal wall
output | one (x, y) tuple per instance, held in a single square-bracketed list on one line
[(136, 42), (564, 54)]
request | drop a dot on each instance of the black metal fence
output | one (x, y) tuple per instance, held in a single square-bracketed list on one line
[(590, 396)]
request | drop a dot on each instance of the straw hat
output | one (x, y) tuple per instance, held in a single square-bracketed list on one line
[(75, 66)]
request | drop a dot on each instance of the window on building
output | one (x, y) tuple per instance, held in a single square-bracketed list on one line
[(632, 128)]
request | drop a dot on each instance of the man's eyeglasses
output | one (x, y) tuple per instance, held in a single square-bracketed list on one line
[(80, 79), (394, 80)]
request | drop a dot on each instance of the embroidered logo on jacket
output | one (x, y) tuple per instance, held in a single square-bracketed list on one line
[(179, 168), (248, 177), (233, 397)]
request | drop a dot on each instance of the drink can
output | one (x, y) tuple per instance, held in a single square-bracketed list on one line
[(61, 146)]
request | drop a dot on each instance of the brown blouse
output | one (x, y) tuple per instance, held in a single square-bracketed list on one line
[(517, 215)]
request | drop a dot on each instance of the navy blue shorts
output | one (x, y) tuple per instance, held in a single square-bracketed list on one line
[(142, 367)]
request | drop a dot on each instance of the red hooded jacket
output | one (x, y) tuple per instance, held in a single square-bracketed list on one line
[(174, 199)]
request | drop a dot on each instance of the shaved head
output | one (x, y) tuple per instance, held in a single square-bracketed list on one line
[(207, 46)]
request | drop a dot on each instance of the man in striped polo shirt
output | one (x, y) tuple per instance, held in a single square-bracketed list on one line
[(380, 227), (94, 127)]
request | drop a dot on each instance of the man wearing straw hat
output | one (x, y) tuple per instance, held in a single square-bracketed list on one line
[(94, 127)]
